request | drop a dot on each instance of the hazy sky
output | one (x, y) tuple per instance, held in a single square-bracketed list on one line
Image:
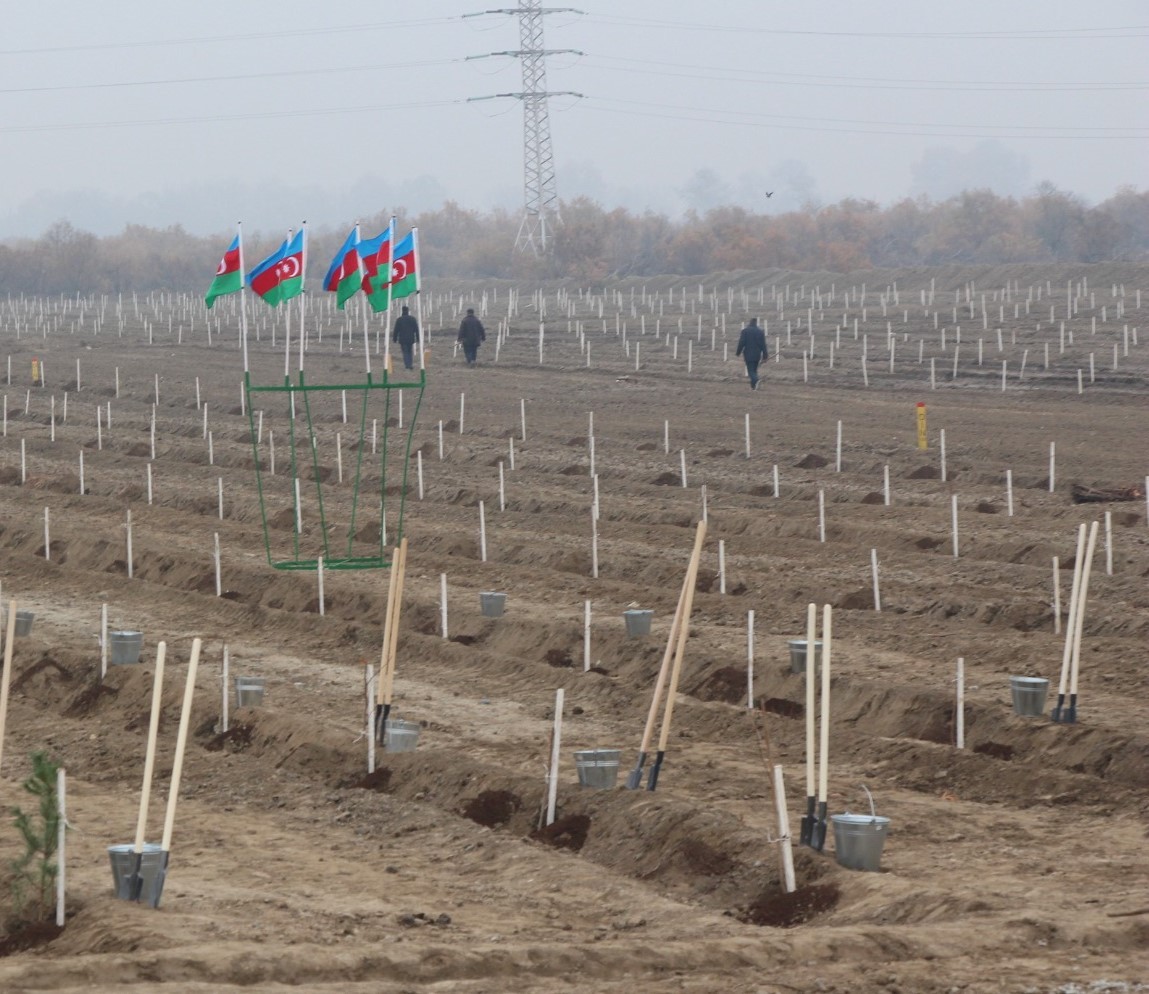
[(201, 113)]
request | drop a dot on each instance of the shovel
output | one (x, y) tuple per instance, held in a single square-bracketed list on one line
[(634, 778), (1071, 713), (386, 682), (818, 832), (1070, 625), (806, 830), (679, 652)]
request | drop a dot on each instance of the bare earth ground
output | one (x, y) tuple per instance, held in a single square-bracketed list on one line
[(1017, 864)]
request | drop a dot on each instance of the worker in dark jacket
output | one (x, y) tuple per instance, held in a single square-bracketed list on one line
[(752, 348), (406, 333), (472, 335)]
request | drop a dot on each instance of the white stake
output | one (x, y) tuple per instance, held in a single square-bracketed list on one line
[(218, 573), (443, 603), (225, 701), (319, 581), (874, 573), (462, 411), (821, 516), (886, 484), (219, 489), (128, 526), (586, 637), (593, 543), (1108, 543), (959, 712), (747, 436), (704, 505), (682, 465), (775, 479), (523, 417), (482, 532), (103, 641), (1056, 596), (666, 437), (419, 470), (370, 732), (502, 488), (750, 660), (47, 539), (838, 460), (553, 774), (942, 452), (1052, 464), (784, 841), (62, 810), (1009, 493), (6, 675), (721, 565), (954, 522)]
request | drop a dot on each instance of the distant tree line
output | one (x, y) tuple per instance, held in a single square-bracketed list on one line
[(594, 243)]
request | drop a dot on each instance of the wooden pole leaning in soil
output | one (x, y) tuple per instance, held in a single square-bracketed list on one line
[(679, 652), (634, 778), (1070, 624), (806, 831), (819, 835), (385, 683), (6, 676), (1075, 665), (181, 745)]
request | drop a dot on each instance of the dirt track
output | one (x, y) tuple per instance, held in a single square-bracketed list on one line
[(1016, 864)]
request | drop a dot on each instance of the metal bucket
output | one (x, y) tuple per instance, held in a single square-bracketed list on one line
[(249, 691), (597, 768), (637, 623), (24, 623), (858, 840), (401, 736), (125, 647), (138, 876), (798, 655), (492, 603), (1028, 694)]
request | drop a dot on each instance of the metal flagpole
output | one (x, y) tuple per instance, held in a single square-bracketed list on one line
[(302, 295), (390, 277), (419, 300), (242, 296)]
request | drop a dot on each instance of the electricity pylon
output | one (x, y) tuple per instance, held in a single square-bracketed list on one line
[(540, 200)]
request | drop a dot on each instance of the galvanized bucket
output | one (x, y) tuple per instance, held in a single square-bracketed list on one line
[(492, 603), (637, 623), (138, 876), (1028, 693), (124, 647), (798, 655), (597, 768), (858, 840), (249, 691), (401, 736), (24, 621)]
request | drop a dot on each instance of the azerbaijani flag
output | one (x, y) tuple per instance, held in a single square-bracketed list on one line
[(345, 275), (405, 267), (229, 275), (280, 276), (375, 257)]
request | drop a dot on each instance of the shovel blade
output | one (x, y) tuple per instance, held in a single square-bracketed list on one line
[(818, 830), (806, 829), (634, 777)]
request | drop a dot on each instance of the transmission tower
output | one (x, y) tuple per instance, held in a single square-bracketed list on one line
[(540, 195)]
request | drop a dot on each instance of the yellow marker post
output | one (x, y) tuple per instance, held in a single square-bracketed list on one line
[(922, 444), (35, 372)]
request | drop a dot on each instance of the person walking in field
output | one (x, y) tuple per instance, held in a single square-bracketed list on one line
[(472, 335), (406, 333), (752, 348)]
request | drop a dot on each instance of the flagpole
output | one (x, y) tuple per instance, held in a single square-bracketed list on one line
[(242, 295), (359, 276), (302, 294), (419, 300), (287, 334), (390, 278)]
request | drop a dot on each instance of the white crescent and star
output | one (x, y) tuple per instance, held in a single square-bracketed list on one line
[(398, 270), (222, 267), (288, 268)]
